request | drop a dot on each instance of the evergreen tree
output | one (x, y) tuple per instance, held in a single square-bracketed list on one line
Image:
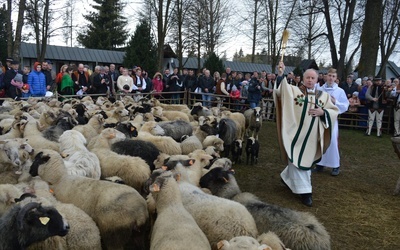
[(3, 34), (214, 63), (106, 29), (141, 49)]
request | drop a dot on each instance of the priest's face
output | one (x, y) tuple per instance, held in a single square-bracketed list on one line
[(310, 78)]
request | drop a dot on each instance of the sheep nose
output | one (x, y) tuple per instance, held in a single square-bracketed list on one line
[(17, 162), (31, 153), (66, 227)]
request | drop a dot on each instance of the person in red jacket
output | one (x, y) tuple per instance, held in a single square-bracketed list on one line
[(235, 97)]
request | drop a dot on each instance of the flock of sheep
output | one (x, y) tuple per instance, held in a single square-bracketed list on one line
[(85, 174)]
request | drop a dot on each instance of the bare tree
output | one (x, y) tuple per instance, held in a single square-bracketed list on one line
[(161, 23), (68, 21), (390, 32), (216, 13), (40, 17), (179, 19), (14, 41), (343, 21)]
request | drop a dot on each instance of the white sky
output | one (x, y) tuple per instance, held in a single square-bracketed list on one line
[(235, 43)]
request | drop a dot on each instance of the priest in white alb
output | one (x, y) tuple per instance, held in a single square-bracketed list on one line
[(305, 119)]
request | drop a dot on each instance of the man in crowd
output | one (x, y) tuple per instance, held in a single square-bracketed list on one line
[(81, 79), (47, 73)]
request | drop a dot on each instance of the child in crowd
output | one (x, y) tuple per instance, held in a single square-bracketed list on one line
[(235, 97)]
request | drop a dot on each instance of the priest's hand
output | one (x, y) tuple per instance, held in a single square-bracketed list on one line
[(281, 68), (316, 112)]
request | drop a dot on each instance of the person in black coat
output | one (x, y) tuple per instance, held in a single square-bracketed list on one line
[(101, 82), (11, 91)]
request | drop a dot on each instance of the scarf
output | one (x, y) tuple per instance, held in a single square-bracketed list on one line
[(17, 84)]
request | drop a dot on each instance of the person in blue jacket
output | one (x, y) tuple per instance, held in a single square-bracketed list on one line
[(37, 81)]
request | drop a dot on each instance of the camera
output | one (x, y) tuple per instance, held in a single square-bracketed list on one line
[(126, 87)]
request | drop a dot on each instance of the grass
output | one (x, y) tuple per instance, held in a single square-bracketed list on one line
[(357, 207)]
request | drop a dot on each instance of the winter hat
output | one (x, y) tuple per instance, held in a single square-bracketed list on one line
[(18, 78), (35, 65), (365, 78), (358, 81), (355, 93), (234, 88)]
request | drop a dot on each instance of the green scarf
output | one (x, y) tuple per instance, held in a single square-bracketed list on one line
[(66, 82)]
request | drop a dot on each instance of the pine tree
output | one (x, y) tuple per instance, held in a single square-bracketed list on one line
[(214, 63), (106, 29), (141, 49), (3, 34)]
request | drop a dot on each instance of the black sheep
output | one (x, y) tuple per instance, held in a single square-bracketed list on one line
[(252, 148), (64, 122), (22, 226), (227, 132), (80, 109), (143, 149), (237, 151)]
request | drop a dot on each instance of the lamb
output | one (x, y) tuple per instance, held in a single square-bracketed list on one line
[(92, 128), (241, 242), (174, 227), (176, 129), (47, 119), (143, 149), (8, 194), (237, 150), (252, 148), (119, 114), (24, 225), (297, 230), (214, 141), (133, 170), (189, 144), (78, 159), (35, 137), (164, 143), (217, 217), (253, 121), (266, 241), (118, 210)]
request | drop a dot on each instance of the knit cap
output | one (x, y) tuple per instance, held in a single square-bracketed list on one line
[(18, 78)]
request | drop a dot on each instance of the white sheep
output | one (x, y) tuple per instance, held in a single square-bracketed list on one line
[(118, 210), (242, 243), (92, 128), (213, 140), (253, 121), (78, 159), (8, 194), (190, 143), (174, 227), (16, 131), (133, 170), (217, 217), (169, 115), (297, 230), (164, 143), (35, 137)]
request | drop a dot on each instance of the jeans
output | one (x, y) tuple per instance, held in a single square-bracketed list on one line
[(206, 100), (253, 105)]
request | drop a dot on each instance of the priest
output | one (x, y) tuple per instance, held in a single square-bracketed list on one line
[(305, 119)]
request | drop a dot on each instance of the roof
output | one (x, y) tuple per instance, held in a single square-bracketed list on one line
[(308, 64), (62, 53)]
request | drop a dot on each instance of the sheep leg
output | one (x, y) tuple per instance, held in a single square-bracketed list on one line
[(227, 149), (397, 189)]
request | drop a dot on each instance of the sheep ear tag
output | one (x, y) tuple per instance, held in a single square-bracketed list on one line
[(164, 168), (133, 129), (44, 220)]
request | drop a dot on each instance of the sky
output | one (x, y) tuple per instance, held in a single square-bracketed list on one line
[(234, 44)]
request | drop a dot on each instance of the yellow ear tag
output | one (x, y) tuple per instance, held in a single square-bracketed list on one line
[(133, 129), (44, 220)]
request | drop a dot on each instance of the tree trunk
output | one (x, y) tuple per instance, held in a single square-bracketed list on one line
[(255, 26), (18, 30), (9, 29), (330, 34), (370, 38)]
